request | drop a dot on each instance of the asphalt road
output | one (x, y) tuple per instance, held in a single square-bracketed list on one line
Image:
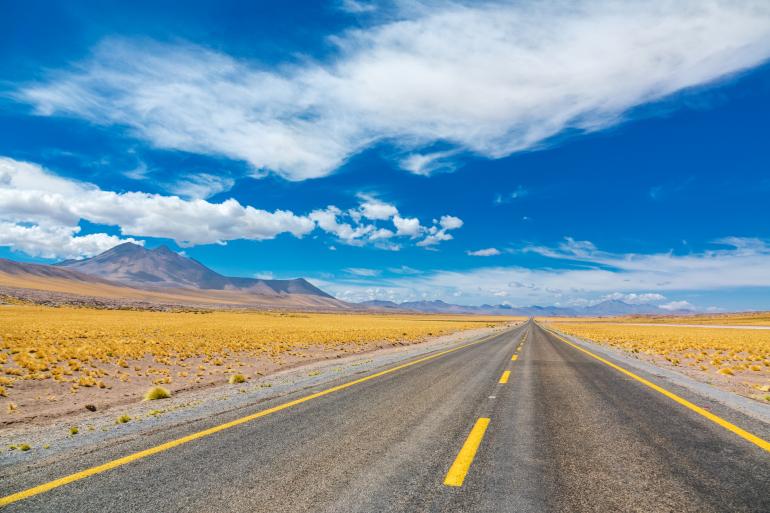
[(565, 433)]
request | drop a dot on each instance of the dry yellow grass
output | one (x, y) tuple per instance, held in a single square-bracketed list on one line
[(728, 319), (729, 352), (94, 349)]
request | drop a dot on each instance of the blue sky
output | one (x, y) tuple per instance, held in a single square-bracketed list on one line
[(479, 152)]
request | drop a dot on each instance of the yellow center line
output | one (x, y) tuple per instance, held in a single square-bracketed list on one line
[(462, 463), (504, 377), (764, 444), (514, 357), (25, 494)]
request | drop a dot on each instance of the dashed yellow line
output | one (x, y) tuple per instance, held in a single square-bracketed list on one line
[(462, 463), (504, 377), (764, 444), (36, 490)]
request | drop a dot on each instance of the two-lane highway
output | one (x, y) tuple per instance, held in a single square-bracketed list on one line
[(497, 426)]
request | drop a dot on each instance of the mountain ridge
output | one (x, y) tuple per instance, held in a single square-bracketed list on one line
[(606, 308), (161, 268)]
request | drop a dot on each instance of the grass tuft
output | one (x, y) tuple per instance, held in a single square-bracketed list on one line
[(24, 447), (74, 430), (157, 393), (123, 419), (237, 378)]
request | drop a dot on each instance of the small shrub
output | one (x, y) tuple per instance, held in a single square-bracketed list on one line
[(74, 430), (24, 447), (157, 393), (91, 407), (123, 419), (237, 378), (727, 371)]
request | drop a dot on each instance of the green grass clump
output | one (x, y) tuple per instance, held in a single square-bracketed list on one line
[(74, 430), (24, 447), (237, 378), (157, 393), (123, 419)]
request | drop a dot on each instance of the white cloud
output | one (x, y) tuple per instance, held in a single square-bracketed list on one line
[(357, 6), (489, 78), (376, 210), (407, 226), (634, 298), (359, 271), (426, 164), (634, 278), (201, 186), (57, 241), (450, 222), (484, 252), (30, 195), (677, 305)]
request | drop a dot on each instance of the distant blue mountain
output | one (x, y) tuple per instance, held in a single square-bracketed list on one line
[(603, 309)]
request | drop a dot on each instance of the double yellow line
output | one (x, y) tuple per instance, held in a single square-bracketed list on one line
[(77, 476)]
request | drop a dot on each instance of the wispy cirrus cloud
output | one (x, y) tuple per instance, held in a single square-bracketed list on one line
[(487, 78)]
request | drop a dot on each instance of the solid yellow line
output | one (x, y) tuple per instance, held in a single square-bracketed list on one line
[(504, 377), (764, 444), (25, 494), (462, 463), (514, 357)]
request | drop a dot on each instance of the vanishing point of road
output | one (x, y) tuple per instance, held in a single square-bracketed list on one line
[(523, 421)]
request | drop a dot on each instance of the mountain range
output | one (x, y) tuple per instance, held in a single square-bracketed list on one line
[(130, 274), (602, 309), (161, 268)]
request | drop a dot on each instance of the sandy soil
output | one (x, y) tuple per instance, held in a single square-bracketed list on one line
[(40, 402)]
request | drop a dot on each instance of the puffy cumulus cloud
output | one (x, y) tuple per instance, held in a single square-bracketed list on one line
[(484, 252), (407, 226), (57, 241), (35, 204), (28, 193), (487, 78), (634, 278), (439, 233), (376, 210), (364, 225)]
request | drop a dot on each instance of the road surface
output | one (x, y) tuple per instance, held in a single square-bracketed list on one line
[(491, 427)]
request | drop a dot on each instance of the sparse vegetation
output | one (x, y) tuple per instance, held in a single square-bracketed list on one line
[(237, 378), (90, 349), (156, 393), (123, 419), (741, 356), (24, 447), (74, 430)]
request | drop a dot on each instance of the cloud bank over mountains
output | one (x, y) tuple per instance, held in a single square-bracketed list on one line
[(632, 278), (486, 78)]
